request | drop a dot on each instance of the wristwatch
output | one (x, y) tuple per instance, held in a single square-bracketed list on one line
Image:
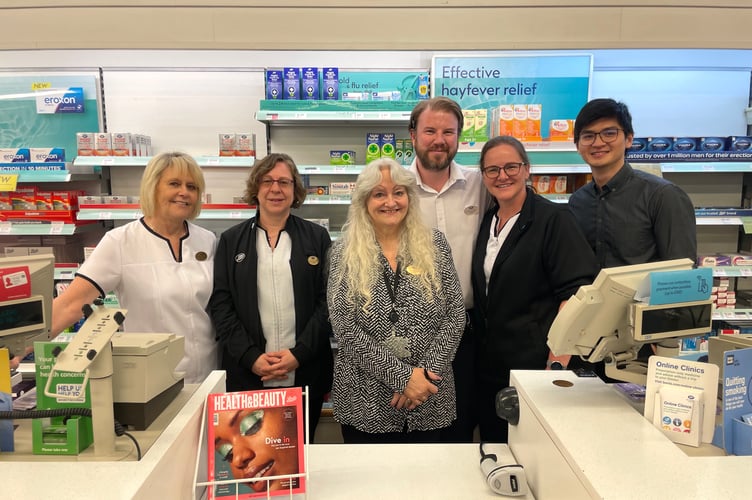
[(554, 365)]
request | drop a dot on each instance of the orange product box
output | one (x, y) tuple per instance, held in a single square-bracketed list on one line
[(122, 144), (542, 184), (519, 123), (227, 144), (561, 130), (44, 200), (24, 198), (85, 143), (533, 129), (245, 145), (102, 144), (506, 119), (559, 184)]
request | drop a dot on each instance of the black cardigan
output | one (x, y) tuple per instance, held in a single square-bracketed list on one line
[(236, 318)]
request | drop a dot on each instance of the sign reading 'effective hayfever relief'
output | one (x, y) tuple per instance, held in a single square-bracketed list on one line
[(555, 87)]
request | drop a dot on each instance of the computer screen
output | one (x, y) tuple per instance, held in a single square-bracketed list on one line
[(596, 323), (26, 288)]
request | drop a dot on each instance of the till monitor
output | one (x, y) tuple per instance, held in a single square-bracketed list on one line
[(26, 289)]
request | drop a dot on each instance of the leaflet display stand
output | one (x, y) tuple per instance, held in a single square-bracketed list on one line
[(201, 490)]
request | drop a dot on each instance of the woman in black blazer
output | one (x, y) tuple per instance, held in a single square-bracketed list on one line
[(529, 258)]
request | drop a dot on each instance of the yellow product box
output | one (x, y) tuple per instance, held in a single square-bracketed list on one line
[(533, 129), (561, 130), (102, 144)]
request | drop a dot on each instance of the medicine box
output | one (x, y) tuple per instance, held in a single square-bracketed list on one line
[(85, 143), (291, 83), (310, 84), (387, 142), (274, 83), (341, 157), (373, 146), (227, 144), (14, 155), (46, 155), (102, 144), (245, 144), (330, 84)]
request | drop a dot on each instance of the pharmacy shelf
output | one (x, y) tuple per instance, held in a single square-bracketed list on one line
[(280, 118), (726, 314), (712, 167), (326, 199), (9, 228), (50, 172), (330, 169), (141, 161), (229, 211), (732, 271)]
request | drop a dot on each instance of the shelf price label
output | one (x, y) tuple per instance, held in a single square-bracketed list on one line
[(212, 161), (235, 215), (105, 215), (746, 271), (5, 227), (300, 116), (56, 227), (719, 271), (108, 161)]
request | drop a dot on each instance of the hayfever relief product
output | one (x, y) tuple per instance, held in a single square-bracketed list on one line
[(274, 82), (330, 84), (310, 84), (291, 83)]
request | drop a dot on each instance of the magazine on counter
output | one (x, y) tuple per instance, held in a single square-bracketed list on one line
[(256, 435)]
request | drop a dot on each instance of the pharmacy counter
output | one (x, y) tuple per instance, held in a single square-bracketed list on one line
[(587, 441)]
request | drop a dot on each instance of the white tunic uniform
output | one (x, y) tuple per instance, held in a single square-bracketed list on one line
[(163, 292)]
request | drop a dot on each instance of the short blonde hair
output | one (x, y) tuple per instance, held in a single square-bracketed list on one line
[(185, 164)]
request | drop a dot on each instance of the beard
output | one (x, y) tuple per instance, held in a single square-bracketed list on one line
[(435, 164)]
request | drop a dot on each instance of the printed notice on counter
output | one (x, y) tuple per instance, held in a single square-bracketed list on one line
[(691, 376)]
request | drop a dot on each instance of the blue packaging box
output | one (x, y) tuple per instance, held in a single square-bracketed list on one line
[(330, 84), (683, 144), (638, 144), (15, 155), (274, 84), (711, 144), (739, 143), (291, 83), (659, 144), (310, 84)]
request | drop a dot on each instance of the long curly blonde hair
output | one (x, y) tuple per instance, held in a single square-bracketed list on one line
[(360, 265)]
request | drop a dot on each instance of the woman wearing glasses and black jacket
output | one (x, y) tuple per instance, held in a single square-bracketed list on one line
[(529, 258), (269, 300)]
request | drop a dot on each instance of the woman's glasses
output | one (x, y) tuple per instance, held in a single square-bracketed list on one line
[(511, 169), (282, 183), (606, 135)]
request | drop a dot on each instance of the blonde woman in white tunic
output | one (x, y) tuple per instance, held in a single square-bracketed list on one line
[(160, 266)]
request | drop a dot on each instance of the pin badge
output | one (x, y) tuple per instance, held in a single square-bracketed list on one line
[(471, 210), (313, 260), (201, 256), (240, 258), (412, 270)]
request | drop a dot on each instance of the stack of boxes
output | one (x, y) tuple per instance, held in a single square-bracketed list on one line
[(243, 144), (308, 83), (113, 144)]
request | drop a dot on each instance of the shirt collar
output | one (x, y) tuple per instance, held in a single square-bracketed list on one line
[(455, 174), (618, 180)]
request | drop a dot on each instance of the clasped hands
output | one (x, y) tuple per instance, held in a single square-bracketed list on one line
[(419, 388), (275, 365)]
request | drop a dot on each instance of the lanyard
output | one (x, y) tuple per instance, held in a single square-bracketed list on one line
[(391, 288)]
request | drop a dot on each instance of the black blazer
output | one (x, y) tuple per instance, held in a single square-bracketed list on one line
[(542, 262), (236, 318)]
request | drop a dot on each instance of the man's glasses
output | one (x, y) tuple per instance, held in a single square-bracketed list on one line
[(511, 169), (606, 135), (283, 183)]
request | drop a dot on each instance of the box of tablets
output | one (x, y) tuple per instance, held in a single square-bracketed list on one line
[(330, 84), (309, 83), (274, 83), (291, 83)]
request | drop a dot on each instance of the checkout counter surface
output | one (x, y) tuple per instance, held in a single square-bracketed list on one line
[(587, 441)]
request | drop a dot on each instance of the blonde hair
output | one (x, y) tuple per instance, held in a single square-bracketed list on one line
[(184, 164), (360, 266)]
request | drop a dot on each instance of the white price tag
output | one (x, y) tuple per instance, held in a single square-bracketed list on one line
[(105, 215), (384, 116), (5, 227), (719, 271), (235, 215), (301, 116), (213, 161), (108, 161), (746, 271), (56, 227), (340, 168)]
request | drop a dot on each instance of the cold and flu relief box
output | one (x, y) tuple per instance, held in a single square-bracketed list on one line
[(14, 155), (330, 84), (274, 82), (85, 143), (122, 144), (388, 144), (373, 146), (341, 157), (310, 84), (291, 83)]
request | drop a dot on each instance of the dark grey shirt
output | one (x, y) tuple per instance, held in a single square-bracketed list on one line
[(636, 218)]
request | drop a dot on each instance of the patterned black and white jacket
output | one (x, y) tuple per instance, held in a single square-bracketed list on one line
[(375, 357)]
